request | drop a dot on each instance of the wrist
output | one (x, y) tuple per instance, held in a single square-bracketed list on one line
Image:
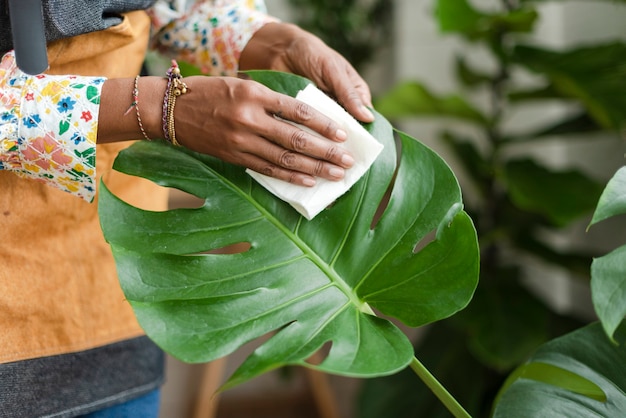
[(151, 94), (118, 120)]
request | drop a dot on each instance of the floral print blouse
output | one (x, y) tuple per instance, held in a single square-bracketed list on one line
[(48, 124)]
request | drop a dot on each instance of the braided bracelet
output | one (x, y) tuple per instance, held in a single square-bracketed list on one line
[(135, 104), (175, 87)]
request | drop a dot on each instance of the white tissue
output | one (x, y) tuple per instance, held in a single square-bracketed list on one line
[(310, 201)]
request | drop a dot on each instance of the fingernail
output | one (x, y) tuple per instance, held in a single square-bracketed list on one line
[(341, 134), (347, 160), (308, 181), (367, 112), (336, 172)]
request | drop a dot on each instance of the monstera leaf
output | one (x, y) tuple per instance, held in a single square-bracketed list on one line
[(304, 285), (608, 273), (581, 374)]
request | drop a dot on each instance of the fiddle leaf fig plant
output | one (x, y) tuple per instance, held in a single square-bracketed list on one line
[(397, 245)]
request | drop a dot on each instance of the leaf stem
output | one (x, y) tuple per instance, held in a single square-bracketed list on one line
[(433, 384)]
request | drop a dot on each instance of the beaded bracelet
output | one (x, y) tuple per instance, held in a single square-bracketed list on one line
[(135, 104), (175, 87)]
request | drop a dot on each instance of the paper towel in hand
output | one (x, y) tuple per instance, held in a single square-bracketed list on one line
[(310, 201)]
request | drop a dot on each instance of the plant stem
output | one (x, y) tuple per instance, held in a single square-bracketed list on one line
[(433, 384)]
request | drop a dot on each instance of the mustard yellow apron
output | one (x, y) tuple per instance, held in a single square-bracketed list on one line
[(58, 287)]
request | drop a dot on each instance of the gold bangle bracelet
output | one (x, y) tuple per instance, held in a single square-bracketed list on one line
[(176, 87)]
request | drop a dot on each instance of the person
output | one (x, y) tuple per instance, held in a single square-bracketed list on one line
[(70, 345)]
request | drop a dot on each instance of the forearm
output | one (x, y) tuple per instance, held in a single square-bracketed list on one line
[(119, 109)]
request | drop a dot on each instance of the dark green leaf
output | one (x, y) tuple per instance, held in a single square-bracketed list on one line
[(581, 374), (577, 124), (188, 69), (560, 196), (608, 273), (576, 262), (443, 351), (414, 99), (612, 202), (469, 76), (594, 75), (608, 288), (473, 162), (504, 322), (543, 93), (547, 373), (460, 17), (304, 282), (520, 20)]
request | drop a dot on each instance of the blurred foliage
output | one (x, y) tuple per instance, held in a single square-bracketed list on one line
[(520, 199)]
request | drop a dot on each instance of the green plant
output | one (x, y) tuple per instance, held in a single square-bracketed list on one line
[(472, 351), (584, 372), (412, 257), (519, 198)]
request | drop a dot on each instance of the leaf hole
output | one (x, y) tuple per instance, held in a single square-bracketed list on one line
[(135, 190), (183, 200), (237, 248), (320, 355), (384, 202), (427, 239)]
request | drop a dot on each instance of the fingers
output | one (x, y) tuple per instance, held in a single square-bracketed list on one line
[(299, 112), (290, 166), (355, 105), (299, 149), (352, 92), (315, 136), (296, 143)]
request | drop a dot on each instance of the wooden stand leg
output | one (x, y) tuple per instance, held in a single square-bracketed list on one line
[(322, 391), (210, 381)]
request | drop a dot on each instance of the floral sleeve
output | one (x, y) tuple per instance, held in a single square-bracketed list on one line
[(48, 127), (209, 34)]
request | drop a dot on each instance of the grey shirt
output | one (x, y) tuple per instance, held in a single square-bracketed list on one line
[(67, 18)]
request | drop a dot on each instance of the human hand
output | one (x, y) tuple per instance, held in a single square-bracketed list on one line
[(234, 120), (286, 47)]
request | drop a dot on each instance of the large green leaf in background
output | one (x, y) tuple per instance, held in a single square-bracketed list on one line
[(590, 74), (554, 194), (581, 374), (460, 16), (304, 283), (608, 273), (414, 99)]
